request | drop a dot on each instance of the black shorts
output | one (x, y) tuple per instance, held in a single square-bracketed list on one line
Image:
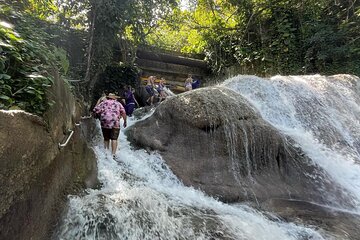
[(110, 133)]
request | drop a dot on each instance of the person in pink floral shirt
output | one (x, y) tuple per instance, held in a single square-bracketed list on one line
[(109, 111)]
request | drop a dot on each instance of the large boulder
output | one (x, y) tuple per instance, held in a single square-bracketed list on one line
[(214, 140), (35, 174)]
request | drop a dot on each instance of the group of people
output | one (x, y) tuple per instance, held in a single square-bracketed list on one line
[(191, 83), (152, 89), (109, 111)]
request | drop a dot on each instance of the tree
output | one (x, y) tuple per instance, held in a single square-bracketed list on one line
[(267, 37), (113, 20)]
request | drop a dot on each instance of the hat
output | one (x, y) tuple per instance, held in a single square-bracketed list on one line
[(112, 96)]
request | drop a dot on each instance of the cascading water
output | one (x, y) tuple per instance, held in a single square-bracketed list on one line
[(321, 114), (140, 198)]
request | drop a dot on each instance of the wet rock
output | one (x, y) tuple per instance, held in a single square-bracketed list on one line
[(35, 175), (214, 140), (336, 224)]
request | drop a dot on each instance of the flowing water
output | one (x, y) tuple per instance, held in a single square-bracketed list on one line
[(322, 115), (140, 198)]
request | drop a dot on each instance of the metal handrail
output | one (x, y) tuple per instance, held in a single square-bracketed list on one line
[(75, 80), (72, 132), (67, 140), (86, 117)]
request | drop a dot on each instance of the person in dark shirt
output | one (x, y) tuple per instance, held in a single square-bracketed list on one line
[(130, 100), (195, 83)]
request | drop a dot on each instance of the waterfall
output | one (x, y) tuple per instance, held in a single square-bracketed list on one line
[(321, 114), (140, 198)]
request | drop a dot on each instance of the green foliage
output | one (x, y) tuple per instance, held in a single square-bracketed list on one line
[(62, 59), (22, 86), (72, 13), (267, 37), (41, 9), (26, 56), (112, 21)]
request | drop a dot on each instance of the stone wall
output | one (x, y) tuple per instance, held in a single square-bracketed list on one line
[(35, 174)]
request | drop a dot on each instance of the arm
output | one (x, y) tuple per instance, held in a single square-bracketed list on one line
[(98, 109), (124, 117), (123, 114), (137, 104)]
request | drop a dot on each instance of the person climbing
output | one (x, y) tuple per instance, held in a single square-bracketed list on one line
[(130, 100), (110, 111), (188, 83), (150, 89), (161, 90)]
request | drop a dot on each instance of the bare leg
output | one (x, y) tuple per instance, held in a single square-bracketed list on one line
[(106, 144), (113, 146)]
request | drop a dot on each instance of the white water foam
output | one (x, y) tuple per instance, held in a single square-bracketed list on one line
[(142, 199), (320, 113)]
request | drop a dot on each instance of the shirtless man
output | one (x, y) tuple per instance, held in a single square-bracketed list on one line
[(150, 89)]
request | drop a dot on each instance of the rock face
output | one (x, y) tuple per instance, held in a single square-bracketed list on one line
[(212, 139), (35, 175), (336, 224)]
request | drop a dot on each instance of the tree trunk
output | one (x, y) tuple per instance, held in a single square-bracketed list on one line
[(89, 50)]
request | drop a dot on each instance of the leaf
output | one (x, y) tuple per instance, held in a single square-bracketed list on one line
[(4, 97), (30, 91), (4, 76), (13, 37), (36, 68), (6, 45), (6, 25), (5, 86)]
